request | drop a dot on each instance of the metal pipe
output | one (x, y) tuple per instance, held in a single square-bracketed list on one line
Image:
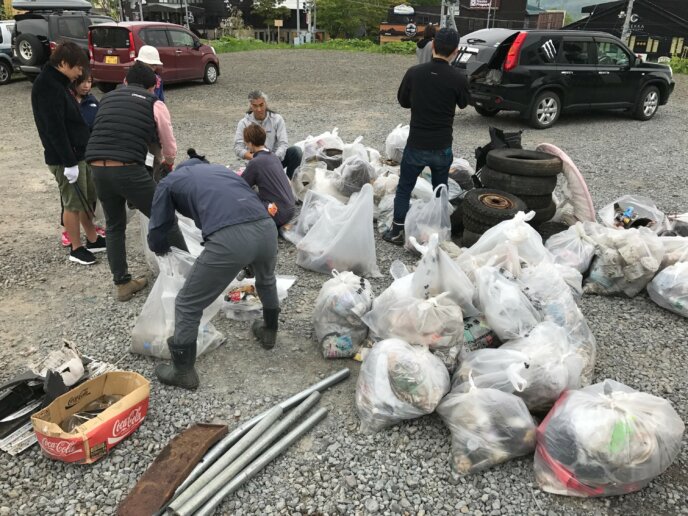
[(244, 460), (229, 457), (231, 438), (256, 466)]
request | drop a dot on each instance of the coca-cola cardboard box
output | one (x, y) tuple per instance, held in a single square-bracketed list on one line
[(95, 438)]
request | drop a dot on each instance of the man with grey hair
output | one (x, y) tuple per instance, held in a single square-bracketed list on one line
[(275, 129)]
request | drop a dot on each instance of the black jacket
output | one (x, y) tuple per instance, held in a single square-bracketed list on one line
[(62, 129), (432, 91), (124, 126)]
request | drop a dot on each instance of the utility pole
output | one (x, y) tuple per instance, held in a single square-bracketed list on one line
[(626, 31), (186, 10), (489, 12), (141, 9), (298, 22)]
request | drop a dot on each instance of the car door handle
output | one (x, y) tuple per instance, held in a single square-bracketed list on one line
[(603, 73), (567, 72), (177, 51)]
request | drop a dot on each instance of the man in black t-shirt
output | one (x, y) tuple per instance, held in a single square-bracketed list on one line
[(432, 91)]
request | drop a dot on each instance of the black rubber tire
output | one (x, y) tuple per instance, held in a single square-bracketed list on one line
[(486, 207), (517, 185), (544, 215), (486, 112), (548, 229), (469, 238), (544, 97), (210, 73), (5, 72), (36, 54), (106, 87), (639, 111), (520, 162), (536, 202)]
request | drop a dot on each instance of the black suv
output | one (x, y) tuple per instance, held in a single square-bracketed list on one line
[(37, 32), (542, 73)]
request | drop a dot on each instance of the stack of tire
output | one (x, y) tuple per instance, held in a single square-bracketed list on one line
[(529, 175), (483, 208)]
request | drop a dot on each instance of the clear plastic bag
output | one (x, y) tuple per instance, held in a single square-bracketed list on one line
[(149, 255), (385, 213), (241, 302), (634, 211), (426, 219), (669, 289), (337, 313), (625, 261), (357, 149), (385, 184), (507, 309), (315, 205), (488, 427), (605, 440), (437, 273), (156, 321), (500, 369), (352, 175), (396, 142), (477, 334), (503, 256), (572, 247), (343, 239), (517, 231), (192, 235), (398, 381), (675, 250)]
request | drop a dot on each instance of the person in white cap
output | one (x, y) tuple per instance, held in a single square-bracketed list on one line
[(149, 55)]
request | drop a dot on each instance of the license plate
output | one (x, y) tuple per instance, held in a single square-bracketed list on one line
[(465, 57), (111, 59)]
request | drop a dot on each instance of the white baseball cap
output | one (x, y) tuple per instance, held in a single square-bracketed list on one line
[(149, 55)]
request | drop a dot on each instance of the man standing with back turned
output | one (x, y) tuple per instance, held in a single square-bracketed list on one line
[(432, 91)]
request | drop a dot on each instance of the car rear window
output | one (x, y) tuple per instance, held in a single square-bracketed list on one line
[(110, 37), (542, 50), (72, 27)]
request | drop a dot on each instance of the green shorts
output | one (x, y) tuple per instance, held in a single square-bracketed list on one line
[(70, 198)]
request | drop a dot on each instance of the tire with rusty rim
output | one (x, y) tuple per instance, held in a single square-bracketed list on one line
[(486, 207)]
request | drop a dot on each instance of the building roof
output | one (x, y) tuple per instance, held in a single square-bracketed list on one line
[(532, 10)]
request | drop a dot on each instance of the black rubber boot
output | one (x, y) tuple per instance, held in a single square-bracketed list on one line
[(180, 372), (266, 330), (395, 234)]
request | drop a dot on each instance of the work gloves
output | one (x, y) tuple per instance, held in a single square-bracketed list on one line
[(72, 173)]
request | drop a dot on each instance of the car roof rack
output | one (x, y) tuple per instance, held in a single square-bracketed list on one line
[(52, 5)]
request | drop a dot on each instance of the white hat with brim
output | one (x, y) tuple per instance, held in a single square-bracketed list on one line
[(149, 55)]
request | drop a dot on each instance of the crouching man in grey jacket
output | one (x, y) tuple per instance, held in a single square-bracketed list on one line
[(275, 130)]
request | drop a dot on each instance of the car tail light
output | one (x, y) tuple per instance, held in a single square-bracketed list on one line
[(53, 45), (90, 46), (132, 47), (514, 52)]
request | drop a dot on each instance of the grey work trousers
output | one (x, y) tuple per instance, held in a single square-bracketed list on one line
[(225, 253)]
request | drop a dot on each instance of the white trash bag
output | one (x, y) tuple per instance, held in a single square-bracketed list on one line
[(156, 321), (572, 247), (385, 184), (507, 309), (192, 235), (149, 255), (343, 240), (385, 213), (669, 289), (314, 206), (492, 368), (426, 219), (396, 142), (628, 210), (357, 149), (488, 427), (337, 313), (606, 440), (241, 301), (398, 381), (352, 175)]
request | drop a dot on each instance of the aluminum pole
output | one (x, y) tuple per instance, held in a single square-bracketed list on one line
[(217, 450), (298, 21), (625, 32), (141, 9), (262, 461), (186, 9), (223, 478), (232, 454)]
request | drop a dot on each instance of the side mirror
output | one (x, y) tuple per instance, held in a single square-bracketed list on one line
[(197, 44)]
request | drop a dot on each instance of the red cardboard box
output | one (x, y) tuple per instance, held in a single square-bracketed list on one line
[(95, 438)]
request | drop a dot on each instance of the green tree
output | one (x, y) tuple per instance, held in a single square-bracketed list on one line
[(568, 19), (351, 18), (268, 10)]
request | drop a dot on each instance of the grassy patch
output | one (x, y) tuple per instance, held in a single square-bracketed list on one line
[(228, 44), (679, 65)]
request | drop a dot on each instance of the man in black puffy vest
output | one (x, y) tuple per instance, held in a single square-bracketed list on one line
[(128, 120)]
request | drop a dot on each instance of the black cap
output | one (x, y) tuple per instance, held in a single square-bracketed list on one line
[(141, 75), (448, 37)]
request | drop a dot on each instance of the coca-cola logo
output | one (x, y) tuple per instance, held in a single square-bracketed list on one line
[(76, 399), (123, 426), (60, 448)]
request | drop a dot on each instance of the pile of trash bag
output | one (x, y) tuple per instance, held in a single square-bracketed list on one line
[(487, 426), (398, 381), (669, 288), (604, 440), (337, 313)]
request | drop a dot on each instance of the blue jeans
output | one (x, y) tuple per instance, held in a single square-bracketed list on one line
[(412, 164)]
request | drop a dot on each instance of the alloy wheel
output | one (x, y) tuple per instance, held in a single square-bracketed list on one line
[(211, 74), (650, 104), (4, 74), (547, 110), (25, 50)]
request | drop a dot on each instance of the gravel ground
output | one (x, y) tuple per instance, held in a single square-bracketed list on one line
[(334, 470)]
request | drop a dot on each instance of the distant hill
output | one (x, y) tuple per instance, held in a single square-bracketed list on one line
[(573, 7)]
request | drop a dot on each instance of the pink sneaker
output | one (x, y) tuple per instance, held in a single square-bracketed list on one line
[(100, 231), (66, 242)]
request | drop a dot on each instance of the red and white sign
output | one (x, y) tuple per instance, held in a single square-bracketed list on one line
[(484, 4)]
